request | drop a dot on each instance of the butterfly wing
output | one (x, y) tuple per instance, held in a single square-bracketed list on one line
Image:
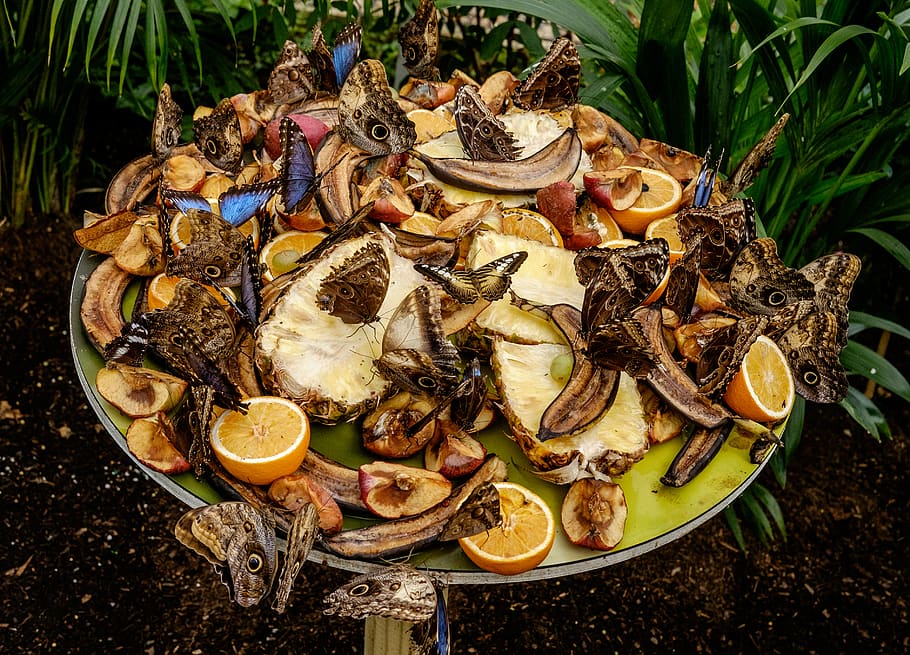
[(554, 83), (458, 284), (292, 79), (166, 124), (621, 344), (482, 134), (492, 280), (241, 202), (682, 285), (761, 283), (355, 290), (811, 348), (398, 592), (723, 355), (346, 51), (301, 537), (184, 201), (215, 250), (418, 39), (219, 138), (298, 169)]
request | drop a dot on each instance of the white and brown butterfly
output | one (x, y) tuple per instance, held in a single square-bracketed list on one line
[(416, 355), (292, 79), (218, 137), (355, 290), (487, 282), (554, 82), (724, 230), (418, 39), (166, 124), (482, 135), (239, 541), (368, 116), (761, 283), (398, 591)]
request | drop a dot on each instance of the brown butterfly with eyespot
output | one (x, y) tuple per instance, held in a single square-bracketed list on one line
[(554, 82), (292, 78), (483, 135), (723, 229), (812, 351), (754, 162), (214, 251), (723, 355), (419, 42), (355, 290), (761, 283), (332, 67), (166, 124), (416, 355), (300, 539), (398, 591), (479, 512), (219, 138), (368, 116), (682, 284)]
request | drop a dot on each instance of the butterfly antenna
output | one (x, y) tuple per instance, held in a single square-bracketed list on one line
[(415, 429)]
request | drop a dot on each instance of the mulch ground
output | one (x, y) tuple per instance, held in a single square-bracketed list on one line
[(90, 565)]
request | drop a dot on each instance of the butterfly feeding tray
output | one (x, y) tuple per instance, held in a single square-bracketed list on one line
[(658, 514)]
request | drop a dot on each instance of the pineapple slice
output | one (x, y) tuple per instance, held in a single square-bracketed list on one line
[(610, 445), (318, 360), (547, 277)]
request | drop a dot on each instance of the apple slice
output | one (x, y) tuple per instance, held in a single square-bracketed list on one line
[(594, 513), (391, 204), (138, 391), (385, 429), (150, 440), (453, 452), (393, 490), (614, 189)]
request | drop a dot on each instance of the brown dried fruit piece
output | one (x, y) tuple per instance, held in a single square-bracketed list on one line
[(150, 440), (138, 391), (394, 490), (594, 513)]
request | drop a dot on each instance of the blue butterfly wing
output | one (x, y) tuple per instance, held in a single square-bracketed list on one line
[(346, 51), (185, 200), (240, 203), (298, 170)]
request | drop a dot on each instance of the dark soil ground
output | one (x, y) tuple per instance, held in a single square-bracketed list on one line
[(89, 563)]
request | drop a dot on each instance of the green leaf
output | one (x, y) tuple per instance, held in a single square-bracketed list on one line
[(890, 243), (771, 507), (756, 515), (735, 527), (131, 25), (190, 24), (860, 321), (98, 15), (78, 14), (864, 361), (116, 34), (866, 414), (787, 28)]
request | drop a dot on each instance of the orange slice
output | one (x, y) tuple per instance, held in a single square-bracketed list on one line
[(161, 291), (524, 538), (666, 228), (531, 225), (762, 389), (280, 255), (263, 443), (660, 196)]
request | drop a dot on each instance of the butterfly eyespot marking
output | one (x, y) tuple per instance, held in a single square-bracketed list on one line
[(379, 132), (776, 298), (425, 382), (410, 53), (811, 378), (211, 146), (213, 271), (254, 563), (395, 586), (359, 590)]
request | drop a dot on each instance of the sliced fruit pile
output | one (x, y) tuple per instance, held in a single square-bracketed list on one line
[(385, 279)]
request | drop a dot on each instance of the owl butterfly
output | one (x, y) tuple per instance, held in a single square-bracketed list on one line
[(247, 309), (301, 536), (482, 134), (620, 344), (489, 282), (333, 68), (166, 124), (292, 79), (811, 348), (416, 355), (754, 161), (213, 252), (355, 290), (368, 116), (554, 82), (722, 356), (218, 137), (761, 283), (682, 285), (832, 277), (432, 637), (237, 205), (419, 41), (470, 400), (723, 230), (617, 280), (130, 345), (199, 421), (298, 169), (397, 592), (478, 513), (239, 541)]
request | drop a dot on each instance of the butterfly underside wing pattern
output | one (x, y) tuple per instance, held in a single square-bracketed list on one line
[(833, 276), (418, 39), (722, 357), (554, 82), (292, 79), (723, 230), (219, 138), (397, 592), (166, 124), (488, 282), (355, 290), (239, 541), (754, 162), (483, 135), (301, 536), (479, 512), (214, 251), (368, 116), (682, 285), (761, 283), (332, 67), (811, 348)]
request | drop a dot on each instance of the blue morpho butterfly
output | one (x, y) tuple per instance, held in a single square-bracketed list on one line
[(237, 205), (298, 170), (704, 185), (333, 67)]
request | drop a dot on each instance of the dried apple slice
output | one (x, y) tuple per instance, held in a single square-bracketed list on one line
[(137, 391), (149, 439), (453, 452), (385, 429), (594, 513), (393, 490)]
